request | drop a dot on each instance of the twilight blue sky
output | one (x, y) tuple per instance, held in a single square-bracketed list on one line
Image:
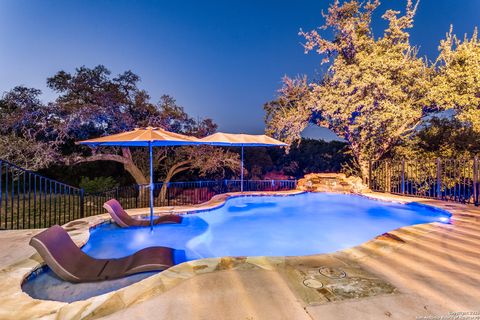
[(219, 59)]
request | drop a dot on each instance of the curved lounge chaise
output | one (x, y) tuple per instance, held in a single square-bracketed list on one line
[(124, 220), (70, 263)]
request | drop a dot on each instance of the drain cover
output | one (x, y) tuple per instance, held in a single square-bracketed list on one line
[(313, 283), (332, 273)]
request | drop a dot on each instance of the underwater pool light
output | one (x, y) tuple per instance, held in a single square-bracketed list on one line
[(444, 219)]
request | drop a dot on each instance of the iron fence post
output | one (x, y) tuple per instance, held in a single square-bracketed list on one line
[(168, 194), (439, 179), (369, 182), (137, 194), (403, 176), (475, 181), (82, 203)]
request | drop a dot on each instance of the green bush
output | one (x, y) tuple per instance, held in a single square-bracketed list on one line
[(97, 184)]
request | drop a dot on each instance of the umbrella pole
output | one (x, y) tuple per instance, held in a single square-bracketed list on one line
[(151, 184), (241, 174)]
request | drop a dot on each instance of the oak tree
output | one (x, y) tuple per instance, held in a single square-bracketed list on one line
[(373, 94)]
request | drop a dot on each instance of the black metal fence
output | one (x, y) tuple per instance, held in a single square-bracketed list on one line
[(444, 179), (179, 193), (29, 200)]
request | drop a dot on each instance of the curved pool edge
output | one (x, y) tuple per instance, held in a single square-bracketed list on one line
[(23, 306)]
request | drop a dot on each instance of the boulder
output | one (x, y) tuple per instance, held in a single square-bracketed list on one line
[(331, 182)]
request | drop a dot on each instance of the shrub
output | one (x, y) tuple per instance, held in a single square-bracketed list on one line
[(97, 184)]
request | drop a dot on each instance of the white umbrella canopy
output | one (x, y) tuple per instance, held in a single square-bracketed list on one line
[(144, 137), (241, 140)]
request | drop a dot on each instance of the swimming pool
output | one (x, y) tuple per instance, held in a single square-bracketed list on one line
[(303, 224), (294, 225)]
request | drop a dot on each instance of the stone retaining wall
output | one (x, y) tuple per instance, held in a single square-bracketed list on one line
[(331, 182)]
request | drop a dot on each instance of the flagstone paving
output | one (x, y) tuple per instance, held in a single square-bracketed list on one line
[(421, 270)]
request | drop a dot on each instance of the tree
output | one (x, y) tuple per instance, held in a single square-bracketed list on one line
[(27, 134), (373, 94), (95, 104), (440, 137), (257, 162), (92, 103), (311, 155), (456, 84), (202, 159), (288, 115)]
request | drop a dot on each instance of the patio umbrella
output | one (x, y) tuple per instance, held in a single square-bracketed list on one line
[(241, 140), (144, 137)]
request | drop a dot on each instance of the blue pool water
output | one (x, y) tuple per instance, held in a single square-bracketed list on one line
[(304, 224)]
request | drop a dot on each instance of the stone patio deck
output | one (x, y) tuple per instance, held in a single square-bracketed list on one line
[(421, 270)]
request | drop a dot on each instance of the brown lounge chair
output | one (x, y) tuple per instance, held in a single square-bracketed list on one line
[(124, 220), (70, 263)]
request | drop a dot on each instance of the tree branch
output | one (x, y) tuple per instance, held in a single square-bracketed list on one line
[(102, 157)]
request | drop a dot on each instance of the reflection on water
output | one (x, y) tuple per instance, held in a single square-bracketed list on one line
[(304, 224)]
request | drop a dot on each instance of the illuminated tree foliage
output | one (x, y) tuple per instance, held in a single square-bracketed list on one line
[(457, 81), (373, 94)]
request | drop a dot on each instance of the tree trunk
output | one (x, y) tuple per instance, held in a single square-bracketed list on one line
[(363, 162), (175, 169), (129, 166), (135, 172), (132, 168), (364, 169), (125, 159), (140, 178)]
